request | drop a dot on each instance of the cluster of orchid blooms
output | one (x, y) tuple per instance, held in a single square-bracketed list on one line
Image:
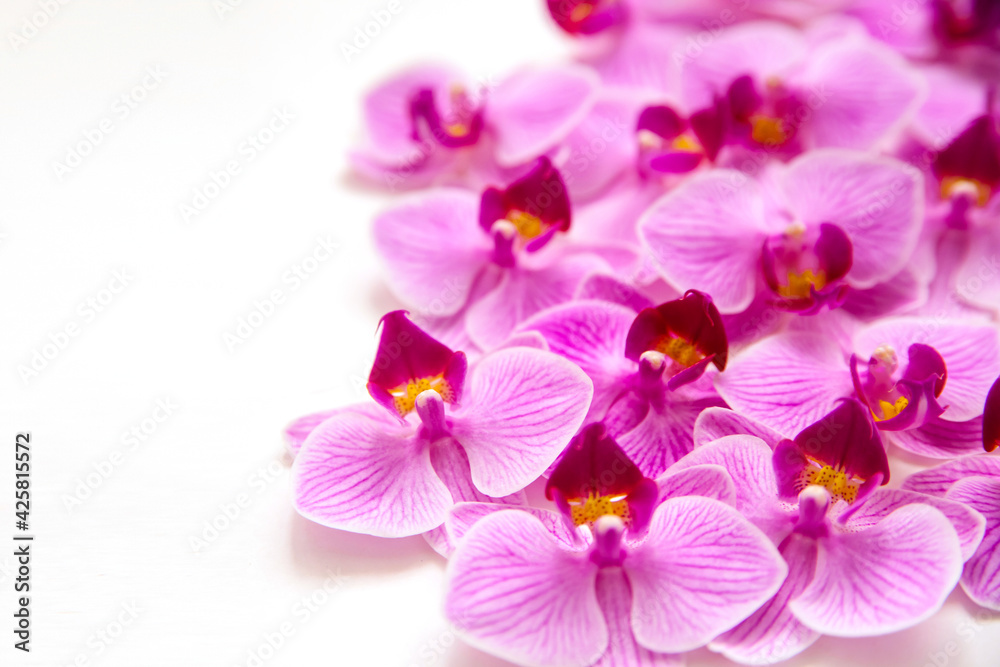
[(703, 282)]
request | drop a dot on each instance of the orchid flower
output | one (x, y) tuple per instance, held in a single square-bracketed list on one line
[(862, 560), (763, 87), (616, 578), (923, 381), (429, 124), (441, 437), (647, 368), (833, 220), (974, 481), (587, 17), (444, 245)]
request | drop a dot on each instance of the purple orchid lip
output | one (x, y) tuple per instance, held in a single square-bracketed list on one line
[(587, 17), (841, 452), (971, 162), (596, 478), (410, 362), (812, 275), (666, 143), (459, 128), (979, 23), (910, 401), (991, 418), (689, 331), (536, 205)]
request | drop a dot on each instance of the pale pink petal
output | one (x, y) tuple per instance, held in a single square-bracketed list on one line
[(520, 410), (939, 438), (772, 633), (860, 92), (433, 248), (297, 431), (702, 569), (463, 516), (643, 61), (715, 423), (953, 101), (515, 592), (786, 382), (369, 476), (877, 201), (981, 578), (601, 148), (534, 109), (971, 352), (977, 279), (614, 594), (710, 481), (936, 481), (880, 504), (887, 578), (707, 235)]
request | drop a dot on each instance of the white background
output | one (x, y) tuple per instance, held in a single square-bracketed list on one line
[(128, 544)]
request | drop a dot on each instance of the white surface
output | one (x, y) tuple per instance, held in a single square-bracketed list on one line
[(162, 337)]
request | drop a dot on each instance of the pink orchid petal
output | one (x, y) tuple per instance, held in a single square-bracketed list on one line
[(297, 431), (535, 109), (786, 382), (707, 235), (981, 576), (614, 594), (863, 92), (953, 101), (433, 249), (710, 481), (936, 481), (592, 335), (883, 502), (971, 351), (515, 592), (662, 437), (370, 476), (887, 578), (702, 569), (760, 50), (904, 291), (715, 423), (522, 407), (772, 633), (977, 279), (642, 61), (939, 438), (522, 293), (748, 460), (464, 515), (877, 201), (599, 149)]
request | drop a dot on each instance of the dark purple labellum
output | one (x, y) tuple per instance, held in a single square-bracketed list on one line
[(535, 205), (458, 128), (688, 330), (977, 21), (971, 162), (842, 452), (991, 418), (583, 17), (595, 477), (409, 362)]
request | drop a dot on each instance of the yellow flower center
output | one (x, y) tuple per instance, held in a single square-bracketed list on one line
[(405, 396), (799, 284), (952, 185), (840, 486), (528, 226), (678, 349), (686, 142), (768, 131), (890, 410), (589, 510)]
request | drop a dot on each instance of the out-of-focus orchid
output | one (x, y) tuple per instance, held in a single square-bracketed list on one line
[(587, 17), (832, 220), (862, 560), (930, 404), (647, 369), (442, 437), (617, 579)]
